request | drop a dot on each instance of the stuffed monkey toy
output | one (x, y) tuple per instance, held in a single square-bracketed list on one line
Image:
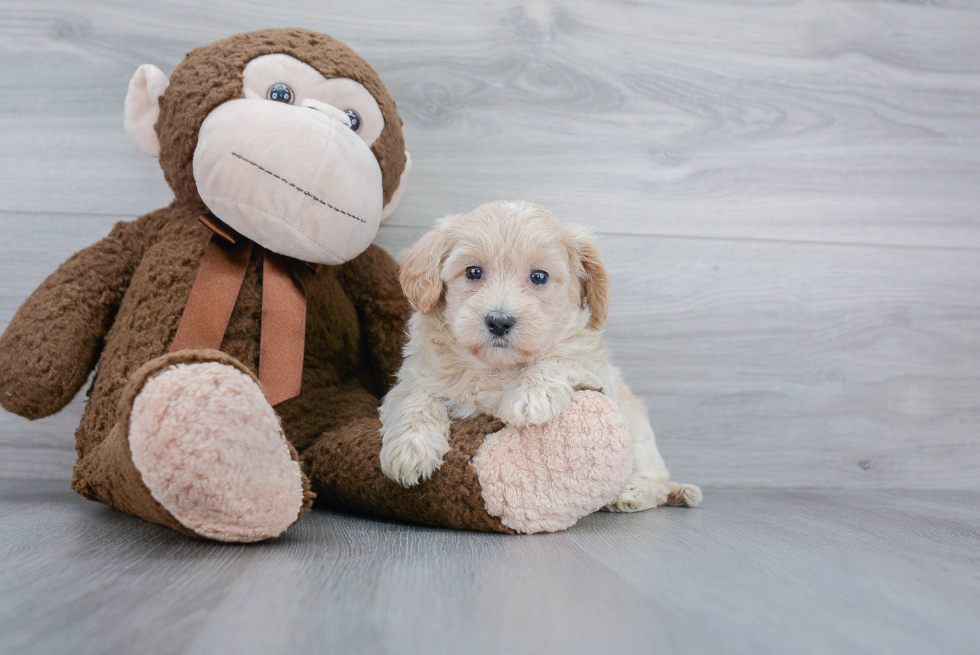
[(243, 334)]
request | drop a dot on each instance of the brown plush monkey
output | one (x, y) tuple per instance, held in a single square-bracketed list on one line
[(258, 287)]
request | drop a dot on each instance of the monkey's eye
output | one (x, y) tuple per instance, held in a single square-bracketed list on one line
[(539, 277), (281, 93), (355, 120), (474, 272)]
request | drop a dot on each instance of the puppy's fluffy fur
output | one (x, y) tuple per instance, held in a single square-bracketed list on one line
[(489, 337)]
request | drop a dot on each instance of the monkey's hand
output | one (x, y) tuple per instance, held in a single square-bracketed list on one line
[(54, 340)]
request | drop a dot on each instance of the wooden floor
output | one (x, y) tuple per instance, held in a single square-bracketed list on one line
[(753, 572), (787, 196)]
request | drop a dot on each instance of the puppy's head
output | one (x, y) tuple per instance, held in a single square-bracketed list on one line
[(508, 279)]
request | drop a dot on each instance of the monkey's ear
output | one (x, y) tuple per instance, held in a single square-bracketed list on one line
[(396, 197), (143, 108), (595, 280), (421, 270)]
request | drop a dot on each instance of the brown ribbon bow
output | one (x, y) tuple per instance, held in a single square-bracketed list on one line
[(213, 296)]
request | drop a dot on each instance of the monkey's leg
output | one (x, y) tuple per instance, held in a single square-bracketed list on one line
[(315, 411), (494, 478), (198, 448)]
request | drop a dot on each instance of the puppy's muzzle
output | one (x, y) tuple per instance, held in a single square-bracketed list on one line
[(499, 323)]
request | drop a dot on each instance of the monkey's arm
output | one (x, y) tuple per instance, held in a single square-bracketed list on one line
[(54, 339), (371, 281)]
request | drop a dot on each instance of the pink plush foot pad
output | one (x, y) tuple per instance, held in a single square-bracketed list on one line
[(545, 478), (210, 449)]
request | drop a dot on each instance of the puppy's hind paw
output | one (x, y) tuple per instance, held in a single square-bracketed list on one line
[(684, 495), (644, 494), (409, 461), (632, 500)]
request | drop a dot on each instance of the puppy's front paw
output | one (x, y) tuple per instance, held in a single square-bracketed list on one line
[(535, 402), (410, 459)]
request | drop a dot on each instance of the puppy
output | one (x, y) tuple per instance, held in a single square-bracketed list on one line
[(510, 305)]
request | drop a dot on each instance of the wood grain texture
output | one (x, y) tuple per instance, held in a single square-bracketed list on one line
[(761, 363), (820, 121), (786, 195), (751, 572)]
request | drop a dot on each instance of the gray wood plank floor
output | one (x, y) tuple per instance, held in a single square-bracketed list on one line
[(787, 195), (753, 572)]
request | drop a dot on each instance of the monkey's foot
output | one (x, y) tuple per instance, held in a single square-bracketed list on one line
[(544, 478), (210, 450)]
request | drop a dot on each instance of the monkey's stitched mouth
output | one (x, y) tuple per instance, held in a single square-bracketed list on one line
[(300, 189)]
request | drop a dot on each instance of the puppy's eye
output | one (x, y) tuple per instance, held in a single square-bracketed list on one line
[(474, 272), (281, 93), (539, 277)]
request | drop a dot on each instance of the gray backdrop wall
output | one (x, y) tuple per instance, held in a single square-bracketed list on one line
[(787, 196)]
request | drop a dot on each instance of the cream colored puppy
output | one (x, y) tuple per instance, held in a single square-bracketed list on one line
[(510, 304)]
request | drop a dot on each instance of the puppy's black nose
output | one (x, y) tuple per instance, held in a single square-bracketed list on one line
[(499, 323)]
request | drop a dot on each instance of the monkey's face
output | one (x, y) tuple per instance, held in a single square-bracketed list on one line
[(300, 152), (290, 165)]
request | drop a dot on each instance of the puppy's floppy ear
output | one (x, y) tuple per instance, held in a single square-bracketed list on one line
[(595, 280), (420, 274)]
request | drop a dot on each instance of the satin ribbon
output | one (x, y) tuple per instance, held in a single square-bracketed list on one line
[(212, 300)]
